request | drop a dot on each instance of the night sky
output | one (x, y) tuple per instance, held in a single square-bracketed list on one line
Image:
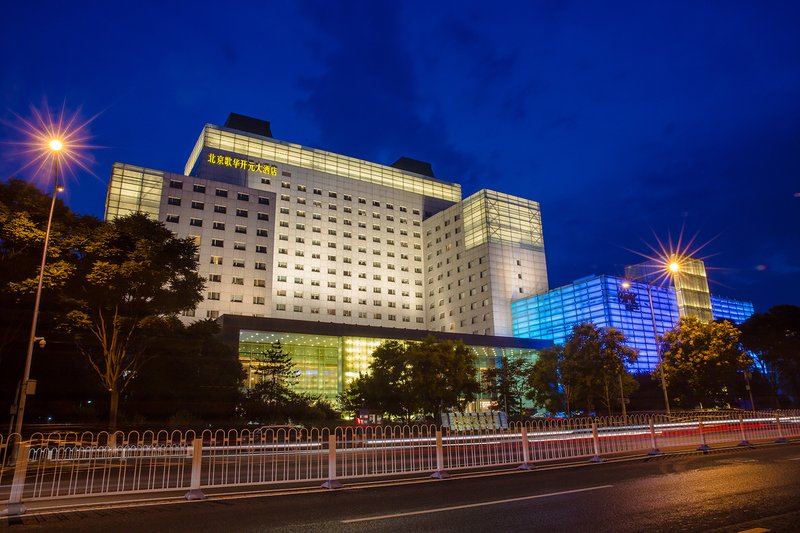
[(624, 120)]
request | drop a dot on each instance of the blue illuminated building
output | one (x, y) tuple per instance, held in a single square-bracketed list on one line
[(608, 301)]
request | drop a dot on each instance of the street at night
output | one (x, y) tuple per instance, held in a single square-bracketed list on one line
[(726, 490)]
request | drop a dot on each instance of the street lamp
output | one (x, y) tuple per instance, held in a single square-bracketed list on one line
[(55, 147), (673, 267)]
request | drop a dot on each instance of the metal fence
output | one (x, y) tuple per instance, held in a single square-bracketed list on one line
[(78, 465)]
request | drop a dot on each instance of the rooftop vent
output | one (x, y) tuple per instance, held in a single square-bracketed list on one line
[(415, 166), (247, 124)]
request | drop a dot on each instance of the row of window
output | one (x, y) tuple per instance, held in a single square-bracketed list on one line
[(316, 283), (217, 225), (222, 193), (302, 213), (347, 197), (347, 312)]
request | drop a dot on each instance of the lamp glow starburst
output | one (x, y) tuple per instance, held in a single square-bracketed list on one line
[(669, 257), (46, 135)]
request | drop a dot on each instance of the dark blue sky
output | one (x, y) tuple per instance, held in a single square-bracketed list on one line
[(622, 119)]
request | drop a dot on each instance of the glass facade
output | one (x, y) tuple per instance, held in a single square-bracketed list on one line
[(133, 189), (281, 152), (737, 311), (326, 364), (607, 301), (490, 216)]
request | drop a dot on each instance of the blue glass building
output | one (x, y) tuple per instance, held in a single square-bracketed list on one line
[(608, 301)]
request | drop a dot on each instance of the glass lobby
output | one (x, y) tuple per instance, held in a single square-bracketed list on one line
[(326, 364)]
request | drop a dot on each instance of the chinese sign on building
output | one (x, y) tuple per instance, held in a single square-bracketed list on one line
[(243, 164)]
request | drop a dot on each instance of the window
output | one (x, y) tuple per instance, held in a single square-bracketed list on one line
[(237, 281), (242, 196), (286, 185), (212, 314), (216, 260), (173, 218), (258, 300), (198, 222), (285, 197), (217, 242), (173, 201), (260, 266), (263, 200), (222, 193), (259, 283), (212, 296), (176, 184), (238, 263), (216, 278), (219, 225), (280, 307), (317, 191), (198, 188), (198, 205), (331, 194), (241, 212), (261, 249), (265, 181), (239, 246), (220, 209)]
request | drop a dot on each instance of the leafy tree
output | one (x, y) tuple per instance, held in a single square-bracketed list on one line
[(508, 385), (412, 378), (594, 358), (191, 374), (24, 212), (774, 337), (273, 399), (545, 384), (131, 272), (701, 361)]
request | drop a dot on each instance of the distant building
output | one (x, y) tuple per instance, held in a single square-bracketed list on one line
[(609, 301), (306, 238)]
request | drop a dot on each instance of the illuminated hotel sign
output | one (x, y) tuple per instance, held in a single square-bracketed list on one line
[(244, 164)]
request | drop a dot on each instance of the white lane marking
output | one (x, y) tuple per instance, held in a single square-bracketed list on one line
[(472, 505)]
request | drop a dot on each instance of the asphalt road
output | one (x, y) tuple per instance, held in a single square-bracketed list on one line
[(729, 490)]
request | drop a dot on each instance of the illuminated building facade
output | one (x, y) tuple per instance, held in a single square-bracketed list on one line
[(609, 301), (293, 233)]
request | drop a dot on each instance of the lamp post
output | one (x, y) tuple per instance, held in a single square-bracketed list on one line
[(658, 348), (673, 268), (55, 147)]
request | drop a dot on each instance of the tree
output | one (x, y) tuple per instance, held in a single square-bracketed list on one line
[(774, 337), (508, 385), (546, 386), (24, 211), (594, 359), (589, 368), (191, 375), (416, 378), (700, 361), (131, 273)]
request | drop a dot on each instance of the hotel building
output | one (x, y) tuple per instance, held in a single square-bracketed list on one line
[(332, 254)]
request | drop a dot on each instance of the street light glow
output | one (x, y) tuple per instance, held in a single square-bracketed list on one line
[(56, 145), (674, 266)]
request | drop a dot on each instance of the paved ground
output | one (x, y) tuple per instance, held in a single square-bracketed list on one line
[(731, 490)]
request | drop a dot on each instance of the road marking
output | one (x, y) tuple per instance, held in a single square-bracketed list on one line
[(794, 459), (472, 505), (756, 530)]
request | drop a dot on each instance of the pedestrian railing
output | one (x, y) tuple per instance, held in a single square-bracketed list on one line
[(78, 465)]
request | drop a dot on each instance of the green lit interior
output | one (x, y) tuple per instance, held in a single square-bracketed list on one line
[(327, 364)]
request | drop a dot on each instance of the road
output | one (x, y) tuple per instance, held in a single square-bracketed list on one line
[(728, 490)]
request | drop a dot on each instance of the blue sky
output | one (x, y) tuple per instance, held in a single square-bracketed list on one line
[(621, 119)]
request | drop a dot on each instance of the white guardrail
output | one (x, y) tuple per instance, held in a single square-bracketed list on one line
[(77, 465)]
